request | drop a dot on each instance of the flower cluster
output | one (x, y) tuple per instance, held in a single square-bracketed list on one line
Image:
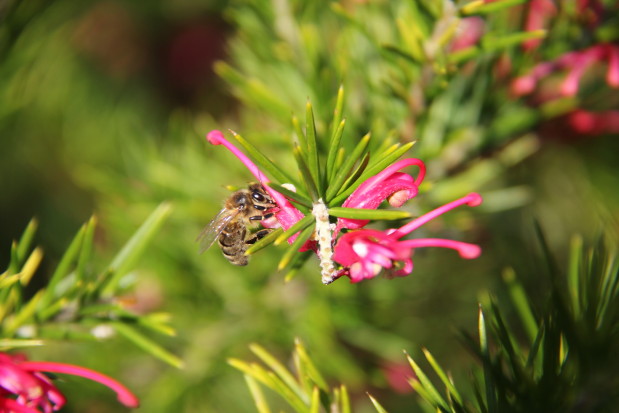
[(24, 387), (576, 64), (344, 246)]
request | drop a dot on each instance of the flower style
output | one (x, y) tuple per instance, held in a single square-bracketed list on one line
[(364, 253), (24, 388), (391, 185), (576, 63)]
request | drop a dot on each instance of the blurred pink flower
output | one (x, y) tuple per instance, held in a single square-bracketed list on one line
[(24, 388), (389, 184), (364, 253), (468, 33), (576, 64), (594, 123), (398, 376), (540, 11)]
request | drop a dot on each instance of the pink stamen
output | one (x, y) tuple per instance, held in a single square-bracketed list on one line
[(472, 199), (466, 250), (124, 395)]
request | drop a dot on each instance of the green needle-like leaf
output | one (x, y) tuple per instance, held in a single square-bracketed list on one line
[(372, 214), (490, 43), (13, 343), (280, 387), (443, 376), (377, 406), (256, 392), (135, 247), (263, 162), (302, 140), (296, 264), (63, 268), (298, 226), (294, 248), (337, 128), (334, 147), (344, 400), (362, 165), (371, 170), (315, 402), (86, 250), (483, 7), (573, 273), (427, 384), (279, 369), (519, 298), (147, 344), (293, 196), (30, 266), (264, 242), (345, 170), (26, 240), (305, 173), (252, 369), (423, 393), (312, 148), (25, 314), (483, 347), (157, 322), (309, 366)]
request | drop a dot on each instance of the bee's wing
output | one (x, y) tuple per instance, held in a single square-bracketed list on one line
[(211, 232)]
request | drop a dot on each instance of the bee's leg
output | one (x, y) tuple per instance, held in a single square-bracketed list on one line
[(258, 235), (261, 217)]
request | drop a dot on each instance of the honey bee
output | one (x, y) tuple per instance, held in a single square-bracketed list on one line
[(230, 227)]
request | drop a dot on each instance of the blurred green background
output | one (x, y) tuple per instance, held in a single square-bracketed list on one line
[(104, 106)]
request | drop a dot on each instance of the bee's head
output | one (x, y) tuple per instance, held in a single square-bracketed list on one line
[(259, 195)]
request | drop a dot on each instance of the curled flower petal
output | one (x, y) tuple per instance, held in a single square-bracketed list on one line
[(384, 185)]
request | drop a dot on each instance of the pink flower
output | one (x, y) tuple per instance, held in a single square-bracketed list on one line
[(24, 388), (468, 33), (389, 184), (540, 11), (398, 376), (594, 123), (364, 253), (576, 63)]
